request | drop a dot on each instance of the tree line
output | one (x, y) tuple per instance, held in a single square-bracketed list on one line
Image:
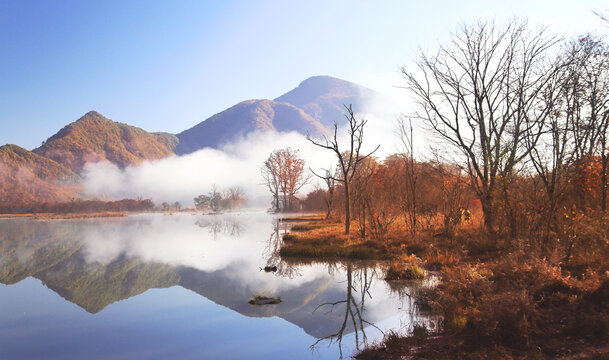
[(216, 200), (81, 206)]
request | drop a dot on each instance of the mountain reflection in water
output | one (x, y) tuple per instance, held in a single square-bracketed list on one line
[(97, 262)]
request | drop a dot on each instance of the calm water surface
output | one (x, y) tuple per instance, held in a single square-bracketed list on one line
[(156, 286)]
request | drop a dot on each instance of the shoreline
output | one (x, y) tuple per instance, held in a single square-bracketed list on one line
[(496, 301), (57, 216)]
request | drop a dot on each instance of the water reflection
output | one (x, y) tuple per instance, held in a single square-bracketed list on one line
[(231, 225), (353, 308), (94, 263)]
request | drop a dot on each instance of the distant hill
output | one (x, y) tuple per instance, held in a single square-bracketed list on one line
[(311, 108), (27, 178), (94, 138), (243, 118), (325, 97)]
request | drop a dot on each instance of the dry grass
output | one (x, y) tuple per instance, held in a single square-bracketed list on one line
[(306, 227), (515, 307), (326, 239), (312, 217), (439, 259), (404, 271)]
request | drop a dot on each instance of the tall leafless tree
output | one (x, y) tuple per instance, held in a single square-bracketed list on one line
[(551, 152), (409, 200), (480, 94), (270, 174), (347, 160), (588, 110), (328, 179)]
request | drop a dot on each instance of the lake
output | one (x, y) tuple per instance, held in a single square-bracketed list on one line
[(158, 286)]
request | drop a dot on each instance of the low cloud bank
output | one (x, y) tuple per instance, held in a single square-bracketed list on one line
[(181, 178)]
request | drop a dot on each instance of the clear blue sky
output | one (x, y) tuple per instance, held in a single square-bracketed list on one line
[(166, 66)]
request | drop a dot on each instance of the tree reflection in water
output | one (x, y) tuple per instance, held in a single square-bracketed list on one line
[(358, 284), (222, 224), (359, 277), (271, 252)]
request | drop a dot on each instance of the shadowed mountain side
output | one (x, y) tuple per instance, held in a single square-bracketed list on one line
[(95, 286), (26, 178), (28, 247), (94, 138), (243, 118), (324, 97)]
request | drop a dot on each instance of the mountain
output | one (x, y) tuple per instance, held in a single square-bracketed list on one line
[(244, 118), (311, 108), (324, 98), (94, 138), (27, 178), (50, 172)]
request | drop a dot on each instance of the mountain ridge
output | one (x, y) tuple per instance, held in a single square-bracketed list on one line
[(325, 97), (51, 172), (310, 108), (94, 138), (243, 118)]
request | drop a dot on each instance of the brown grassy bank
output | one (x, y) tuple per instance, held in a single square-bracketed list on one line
[(324, 239)]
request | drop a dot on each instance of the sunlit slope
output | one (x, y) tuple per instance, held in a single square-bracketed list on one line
[(26, 178), (94, 138)]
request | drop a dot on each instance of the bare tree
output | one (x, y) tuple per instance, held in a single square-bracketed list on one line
[(215, 198), (328, 178), (588, 105), (347, 160), (234, 198), (551, 153), (270, 173), (363, 194), (480, 94), (409, 200)]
